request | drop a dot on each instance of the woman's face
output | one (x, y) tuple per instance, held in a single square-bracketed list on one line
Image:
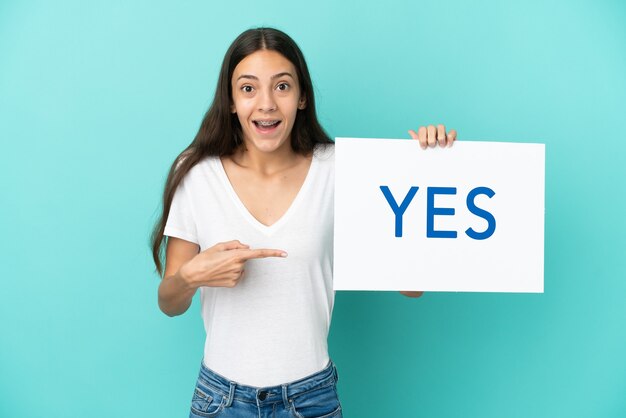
[(266, 98)]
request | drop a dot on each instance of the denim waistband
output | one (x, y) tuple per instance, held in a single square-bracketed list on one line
[(266, 395)]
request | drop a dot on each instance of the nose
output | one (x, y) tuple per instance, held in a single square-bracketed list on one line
[(267, 102)]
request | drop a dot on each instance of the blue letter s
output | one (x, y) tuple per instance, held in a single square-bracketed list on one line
[(491, 221)]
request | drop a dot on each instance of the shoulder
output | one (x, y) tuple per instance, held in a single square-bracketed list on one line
[(197, 174), (203, 160)]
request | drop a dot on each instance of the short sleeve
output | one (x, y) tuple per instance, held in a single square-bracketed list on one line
[(180, 221)]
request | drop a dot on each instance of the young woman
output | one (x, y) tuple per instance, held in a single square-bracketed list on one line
[(248, 211)]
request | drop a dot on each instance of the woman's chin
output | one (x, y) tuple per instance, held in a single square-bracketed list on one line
[(267, 145)]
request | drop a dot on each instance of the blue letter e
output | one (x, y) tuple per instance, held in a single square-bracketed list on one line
[(431, 211)]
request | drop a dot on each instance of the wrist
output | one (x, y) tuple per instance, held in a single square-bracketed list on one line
[(185, 279)]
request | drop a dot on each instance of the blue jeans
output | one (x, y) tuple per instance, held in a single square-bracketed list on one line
[(314, 396)]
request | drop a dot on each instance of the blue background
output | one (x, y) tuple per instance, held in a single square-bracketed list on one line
[(98, 97)]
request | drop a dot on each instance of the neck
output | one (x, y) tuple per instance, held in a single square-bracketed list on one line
[(265, 162)]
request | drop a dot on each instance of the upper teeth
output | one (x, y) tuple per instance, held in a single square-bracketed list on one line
[(267, 122)]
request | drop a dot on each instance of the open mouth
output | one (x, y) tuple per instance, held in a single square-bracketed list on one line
[(266, 125)]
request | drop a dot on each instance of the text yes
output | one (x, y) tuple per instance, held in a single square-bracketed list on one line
[(432, 211)]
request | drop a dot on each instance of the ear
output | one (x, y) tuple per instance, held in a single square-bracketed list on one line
[(233, 109), (302, 103)]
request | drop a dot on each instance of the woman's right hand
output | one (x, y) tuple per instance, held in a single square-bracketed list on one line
[(222, 265)]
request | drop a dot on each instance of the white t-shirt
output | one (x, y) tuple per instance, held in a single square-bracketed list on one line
[(272, 327)]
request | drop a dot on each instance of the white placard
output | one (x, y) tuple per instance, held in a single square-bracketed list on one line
[(495, 191)]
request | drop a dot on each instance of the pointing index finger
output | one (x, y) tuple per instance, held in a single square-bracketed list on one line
[(261, 253)]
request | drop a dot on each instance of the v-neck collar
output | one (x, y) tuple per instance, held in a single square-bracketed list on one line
[(265, 229)]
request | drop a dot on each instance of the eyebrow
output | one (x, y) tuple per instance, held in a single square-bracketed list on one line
[(252, 77)]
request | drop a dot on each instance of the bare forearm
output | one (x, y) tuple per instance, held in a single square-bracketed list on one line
[(175, 295)]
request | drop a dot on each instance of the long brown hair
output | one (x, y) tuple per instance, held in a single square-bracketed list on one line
[(220, 132)]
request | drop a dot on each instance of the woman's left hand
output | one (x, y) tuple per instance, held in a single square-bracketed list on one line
[(412, 294), (432, 135)]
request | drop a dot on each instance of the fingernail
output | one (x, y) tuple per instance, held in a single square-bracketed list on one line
[(283, 254)]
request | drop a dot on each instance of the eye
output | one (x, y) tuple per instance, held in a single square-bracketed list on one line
[(283, 87), (247, 89)]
